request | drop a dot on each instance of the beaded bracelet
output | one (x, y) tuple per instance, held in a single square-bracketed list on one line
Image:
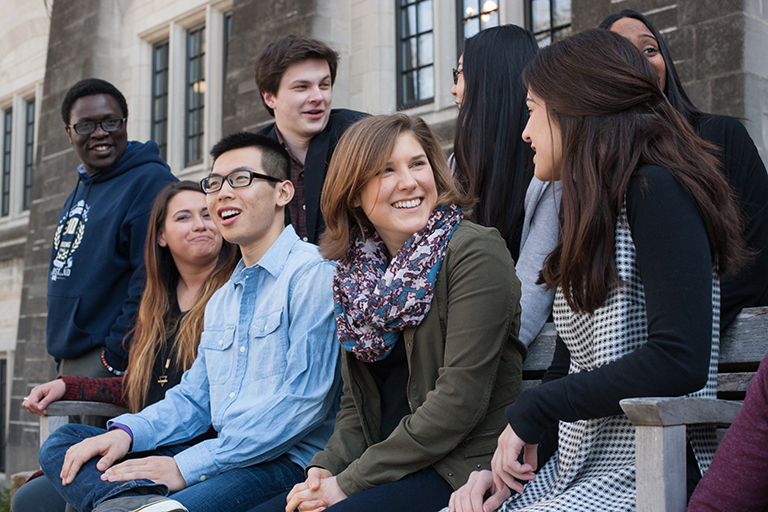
[(106, 365)]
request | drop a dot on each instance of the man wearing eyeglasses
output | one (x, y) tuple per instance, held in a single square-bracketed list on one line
[(94, 281), (266, 375)]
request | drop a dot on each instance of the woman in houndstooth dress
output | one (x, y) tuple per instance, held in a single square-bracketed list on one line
[(648, 226)]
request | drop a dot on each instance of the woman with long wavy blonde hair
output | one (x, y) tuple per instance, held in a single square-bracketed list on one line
[(186, 261)]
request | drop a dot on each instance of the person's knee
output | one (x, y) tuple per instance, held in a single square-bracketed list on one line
[(53, 450)]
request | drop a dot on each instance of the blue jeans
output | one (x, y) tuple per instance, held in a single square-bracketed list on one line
[(235, 490)]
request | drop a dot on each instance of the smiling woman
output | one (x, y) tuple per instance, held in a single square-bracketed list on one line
[(427, 310)]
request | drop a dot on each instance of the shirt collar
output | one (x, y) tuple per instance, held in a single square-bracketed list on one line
[(273, 260), (287, 149)]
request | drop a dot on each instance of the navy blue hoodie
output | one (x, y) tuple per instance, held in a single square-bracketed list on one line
[(95, 280)]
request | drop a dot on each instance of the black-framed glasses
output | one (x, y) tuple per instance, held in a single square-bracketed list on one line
[(456, 73), (88, 127), (237, 179)]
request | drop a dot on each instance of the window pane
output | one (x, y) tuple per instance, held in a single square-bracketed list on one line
[(562, 12), (471, 27), (29, 155), (5, 208), (489, 6), (540, 15), (489, 20), (425, 49), (410, 87), (471, 8), (195, 95), (427, 83), (562, 33), (409, 21), (409, 55), (425, 16)]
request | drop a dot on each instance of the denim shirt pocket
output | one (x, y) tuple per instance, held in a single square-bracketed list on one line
[(219, 354), (269, 343)]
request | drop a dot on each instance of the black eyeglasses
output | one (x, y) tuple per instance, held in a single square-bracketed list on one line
[(88, 127), (456, 73), (236, 179)]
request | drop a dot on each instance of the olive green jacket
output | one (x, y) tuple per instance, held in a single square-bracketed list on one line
[(465, 367)]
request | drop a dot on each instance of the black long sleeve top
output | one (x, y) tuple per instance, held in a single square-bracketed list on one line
[(676, 270)]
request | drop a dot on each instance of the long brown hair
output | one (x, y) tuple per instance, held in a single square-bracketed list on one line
[(162, 278), (613, 118), (361, 153)]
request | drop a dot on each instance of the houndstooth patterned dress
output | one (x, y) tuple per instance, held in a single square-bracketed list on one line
[(594, 467)]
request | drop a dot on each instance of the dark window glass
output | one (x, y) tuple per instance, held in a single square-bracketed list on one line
[(416, 56), (29, 154), (3, 390), (549, 20), (476, 15), (6, 179), (160, 97), (195, 95)]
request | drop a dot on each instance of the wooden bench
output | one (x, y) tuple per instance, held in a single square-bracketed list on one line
[(660, 422), (59, 413)]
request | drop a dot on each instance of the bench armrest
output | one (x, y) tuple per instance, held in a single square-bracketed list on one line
[(59, 412), (74, 407), (670, 411)]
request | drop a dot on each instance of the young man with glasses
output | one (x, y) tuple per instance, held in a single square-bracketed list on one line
[(266, 376), (94, 282), (295, 75)]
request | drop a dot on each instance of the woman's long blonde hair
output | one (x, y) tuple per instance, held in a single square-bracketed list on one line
[(149, 333), (361, 153)]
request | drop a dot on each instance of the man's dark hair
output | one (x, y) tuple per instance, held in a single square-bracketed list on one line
[(91, 87), (274, 158), (281, 53)]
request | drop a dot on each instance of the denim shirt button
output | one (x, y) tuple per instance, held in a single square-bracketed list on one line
[(221, 342), (231, 395), (202, 478), (242, 349)]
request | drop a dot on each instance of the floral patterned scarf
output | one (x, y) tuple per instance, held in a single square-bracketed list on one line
[(374, 301)]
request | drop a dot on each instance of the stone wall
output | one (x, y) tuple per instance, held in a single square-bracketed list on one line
[(72, 55), (718, 47)]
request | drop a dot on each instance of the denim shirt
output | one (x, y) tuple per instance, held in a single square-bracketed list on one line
[(266, 374)]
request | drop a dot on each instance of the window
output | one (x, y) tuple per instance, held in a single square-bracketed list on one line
[(29, 155), (549, 20), (184, 91), (195, 95), (160, 97), (416, 80), (7, 143), (476, 15)]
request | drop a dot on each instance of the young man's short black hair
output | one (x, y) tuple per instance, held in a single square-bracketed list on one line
[(274, 158), (91, 87)]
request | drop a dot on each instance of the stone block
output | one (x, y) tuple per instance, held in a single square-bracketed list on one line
[(694, 11), (665, 19), (681, 45), (589, 13), (755, 36), (719, 46)]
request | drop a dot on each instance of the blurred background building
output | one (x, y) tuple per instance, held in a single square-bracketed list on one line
[(186, 69)]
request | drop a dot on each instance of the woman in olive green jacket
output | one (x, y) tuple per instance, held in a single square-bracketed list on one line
[(427, 309)]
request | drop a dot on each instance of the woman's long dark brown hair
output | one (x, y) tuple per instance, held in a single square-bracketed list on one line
[(162, 278), (603, 95)]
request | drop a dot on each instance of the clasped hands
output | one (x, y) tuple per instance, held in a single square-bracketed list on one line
[(112, 446), (503, 478), (317, 493)]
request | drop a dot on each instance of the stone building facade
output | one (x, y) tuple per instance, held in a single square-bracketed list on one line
[(186, 69)]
